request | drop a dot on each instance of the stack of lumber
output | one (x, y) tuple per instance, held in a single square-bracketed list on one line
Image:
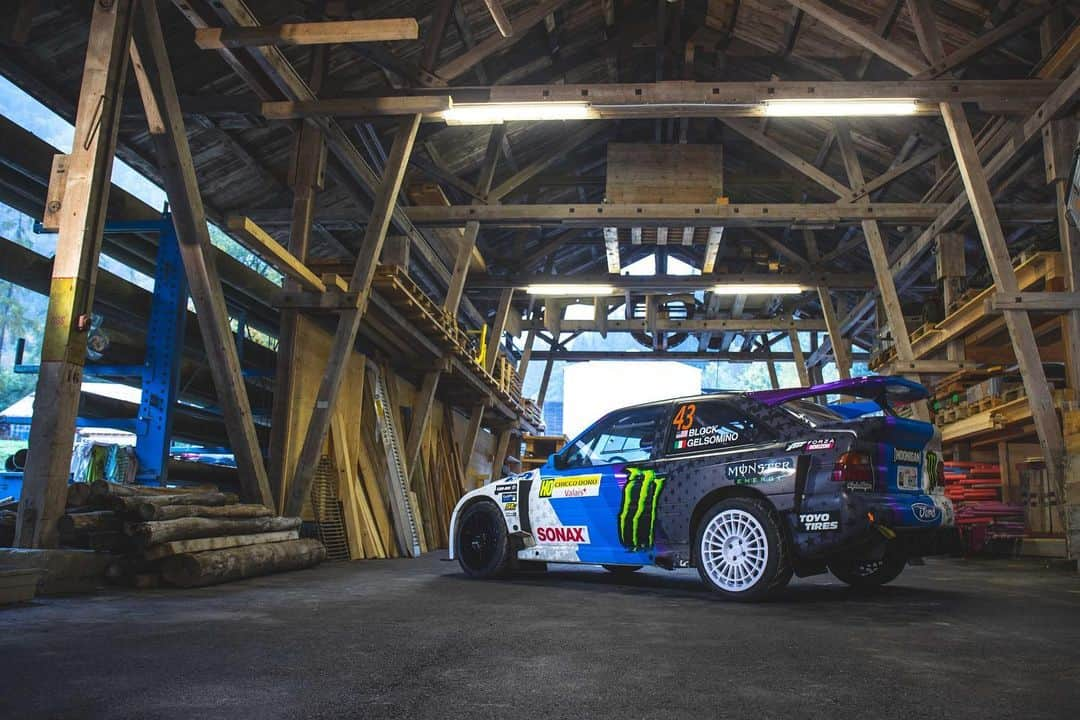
[(9, 512), (186, 537), (975, 489)]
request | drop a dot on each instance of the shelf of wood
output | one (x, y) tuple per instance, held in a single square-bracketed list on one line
[(1008, 416)]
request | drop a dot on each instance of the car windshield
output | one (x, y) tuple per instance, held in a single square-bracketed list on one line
[(811, 413)]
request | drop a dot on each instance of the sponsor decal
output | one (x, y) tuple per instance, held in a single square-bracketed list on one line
[(823, 444), (863, 485), (506, 488), (935, 469), (924, 512), (637, 512), (572, 535), (509, 498), (907, 477), (818, 522), (572, 486), (907, 456), (797, 445), (707, 436), (760, 471), (510, 507), (681, 435)]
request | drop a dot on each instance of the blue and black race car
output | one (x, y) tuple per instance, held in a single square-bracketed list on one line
[(749, 488)]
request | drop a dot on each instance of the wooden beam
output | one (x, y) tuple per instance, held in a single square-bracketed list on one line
[(672, 355), (712, 250), (349, 321), (779, 247), (841, 353), (498, 14), (501, 447), (1035, 302), (713, 325), (154, 123), (355, 107), (988, 40), (259, 241), (1018, 323), (481, 51), (330, 32), (799, 358), (565, 146), (71, 292), (679, 283), (891, 52), (668, 214), (436, 31), (472, 432), (611, 250), (498, 327), (899, 170), (781, 153), (421, 415), (189, 217)]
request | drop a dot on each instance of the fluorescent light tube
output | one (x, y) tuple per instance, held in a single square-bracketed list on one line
[(744, 289), (498, 113), (839, 108), (576, 290)]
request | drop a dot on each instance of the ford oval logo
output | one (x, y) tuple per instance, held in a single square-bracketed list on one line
[(924, 512)]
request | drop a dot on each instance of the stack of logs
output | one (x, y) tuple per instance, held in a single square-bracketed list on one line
[(185, 537)]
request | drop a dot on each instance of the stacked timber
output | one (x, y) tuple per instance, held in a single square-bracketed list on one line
[(187, 537)]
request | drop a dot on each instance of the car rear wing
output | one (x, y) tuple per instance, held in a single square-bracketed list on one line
[(884, 391)]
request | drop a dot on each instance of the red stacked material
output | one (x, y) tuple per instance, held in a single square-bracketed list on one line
[(975, 489)]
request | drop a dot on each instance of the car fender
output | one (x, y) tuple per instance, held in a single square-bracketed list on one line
[(505, 493)]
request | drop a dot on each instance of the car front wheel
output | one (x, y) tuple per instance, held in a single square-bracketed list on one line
[(741, 551), (482, 541)]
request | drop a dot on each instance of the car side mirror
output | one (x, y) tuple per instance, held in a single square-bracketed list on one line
[(557, 461)]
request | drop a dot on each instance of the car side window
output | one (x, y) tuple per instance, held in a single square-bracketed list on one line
[(705, 425), (625, 436)]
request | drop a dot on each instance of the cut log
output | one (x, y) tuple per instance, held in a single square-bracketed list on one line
[(101, 488), (180, 547), (102, 520), (153, 533), (219, 566), (78, 494), (110, 542), (136, 504), (172, 512)]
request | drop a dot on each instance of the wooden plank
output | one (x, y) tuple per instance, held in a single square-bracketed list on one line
[(496, 43), (259, 241), (54, 196), (891, 52), (499, 458), (423, 404), (800, 360), (1036, 301), (565, 146), (189, 216), (71, 293), (180, 547), (355, 107), (712, 249), (658, 173), (349, 321), (841, 353), (674, 283), (330, 32), (154, 121), (668, 214)]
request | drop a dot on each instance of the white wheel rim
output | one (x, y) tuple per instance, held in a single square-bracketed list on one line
[(734, 550)]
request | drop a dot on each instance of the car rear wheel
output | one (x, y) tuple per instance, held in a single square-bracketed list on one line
[(622, 569), (741, 550), (866, 572), (482, 542)]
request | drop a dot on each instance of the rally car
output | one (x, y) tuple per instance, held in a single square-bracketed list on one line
[(749, 488)]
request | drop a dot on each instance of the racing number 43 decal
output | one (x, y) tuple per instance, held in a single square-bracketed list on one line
[(637, 514)]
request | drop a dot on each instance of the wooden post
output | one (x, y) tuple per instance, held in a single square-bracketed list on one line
[(189, 217), (498, 327), (1017, 321), (800, 359), (500, 453), (774, 380), (472, 432), (349, 320), (836, 336), (951, 273), (306, 177), (542, 393), (71, 293), (421, 413), (879, 258)]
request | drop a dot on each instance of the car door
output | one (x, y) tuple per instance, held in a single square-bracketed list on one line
[(580, 510)]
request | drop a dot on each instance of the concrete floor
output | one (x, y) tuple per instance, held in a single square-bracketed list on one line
[(415, 639)]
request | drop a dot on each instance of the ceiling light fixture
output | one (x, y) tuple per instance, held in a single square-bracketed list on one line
[(745, 289), (839, 108), (571, 290), (498, 113)]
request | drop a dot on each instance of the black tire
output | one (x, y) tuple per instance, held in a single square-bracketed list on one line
[(777, 569), (862, 572), (622, 569), (481, 542)]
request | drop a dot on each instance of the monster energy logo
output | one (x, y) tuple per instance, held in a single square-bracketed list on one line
[(933, 467), (637, 517)]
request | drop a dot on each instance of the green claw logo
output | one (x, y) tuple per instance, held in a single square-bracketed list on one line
[(637, 517)]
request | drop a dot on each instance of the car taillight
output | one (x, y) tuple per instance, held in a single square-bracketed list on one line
[(854, 467)]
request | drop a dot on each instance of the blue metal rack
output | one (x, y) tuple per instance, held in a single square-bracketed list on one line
[(160, 371)]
